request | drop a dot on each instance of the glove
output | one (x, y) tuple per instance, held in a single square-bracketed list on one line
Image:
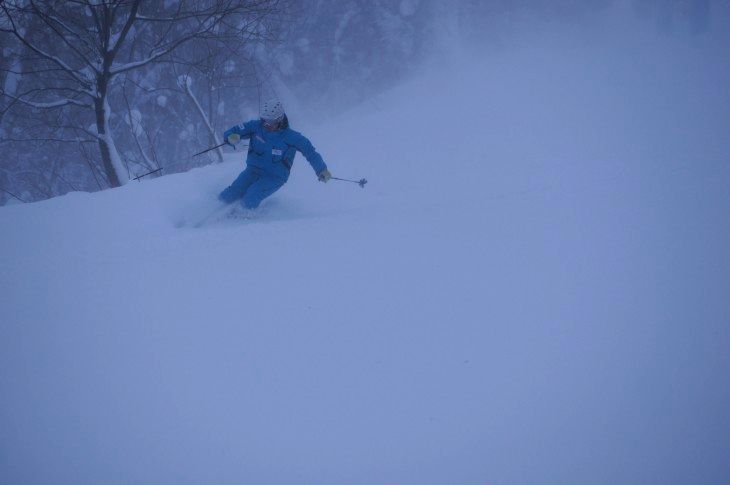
[(324, 175), (233, 138)]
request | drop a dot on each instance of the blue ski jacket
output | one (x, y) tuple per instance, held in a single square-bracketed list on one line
[(273, 151)]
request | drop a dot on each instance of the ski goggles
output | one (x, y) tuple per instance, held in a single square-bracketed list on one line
[(273, 124)]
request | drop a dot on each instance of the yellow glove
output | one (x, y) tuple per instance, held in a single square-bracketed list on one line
[(233, 138)]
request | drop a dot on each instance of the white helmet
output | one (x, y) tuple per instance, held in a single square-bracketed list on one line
[(272, 110)]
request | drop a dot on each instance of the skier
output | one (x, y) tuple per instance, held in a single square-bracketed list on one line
[(271, 150)]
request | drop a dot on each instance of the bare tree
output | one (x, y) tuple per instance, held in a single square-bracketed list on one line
[(220, 73), (85, 49)]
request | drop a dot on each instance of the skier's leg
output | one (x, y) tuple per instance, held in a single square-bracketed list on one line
[(261, 189), (239, 186)]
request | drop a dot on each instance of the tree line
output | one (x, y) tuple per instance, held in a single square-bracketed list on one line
[(117, 83)]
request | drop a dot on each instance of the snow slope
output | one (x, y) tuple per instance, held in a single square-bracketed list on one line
[(533, 287)]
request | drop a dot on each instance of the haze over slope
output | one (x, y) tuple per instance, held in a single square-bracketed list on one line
[(532, 288)]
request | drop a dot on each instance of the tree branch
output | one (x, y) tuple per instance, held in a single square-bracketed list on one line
[(58, 140), (45, 18), (125, 30), (50, 105), (74, 73)]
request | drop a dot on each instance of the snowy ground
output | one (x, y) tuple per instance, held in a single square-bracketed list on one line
[(533, 287)]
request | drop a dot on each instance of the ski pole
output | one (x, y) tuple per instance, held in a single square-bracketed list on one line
[(212, 148), (148, 173), (360, 182), (8, 192)]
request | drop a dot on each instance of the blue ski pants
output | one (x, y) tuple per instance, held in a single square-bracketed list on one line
[(252, 185)]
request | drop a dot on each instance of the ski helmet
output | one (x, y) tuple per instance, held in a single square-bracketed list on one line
[(272, 110)]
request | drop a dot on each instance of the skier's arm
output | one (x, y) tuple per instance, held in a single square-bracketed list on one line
[(306, 148), (234, 134)]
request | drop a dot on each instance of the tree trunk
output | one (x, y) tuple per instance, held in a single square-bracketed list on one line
[(212, 104), (107, 149), (206, 120)]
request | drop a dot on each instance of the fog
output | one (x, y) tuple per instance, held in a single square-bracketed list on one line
[(658, 64), (531, 288)]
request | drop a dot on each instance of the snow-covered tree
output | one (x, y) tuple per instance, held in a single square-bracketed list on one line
[(77, 61)]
